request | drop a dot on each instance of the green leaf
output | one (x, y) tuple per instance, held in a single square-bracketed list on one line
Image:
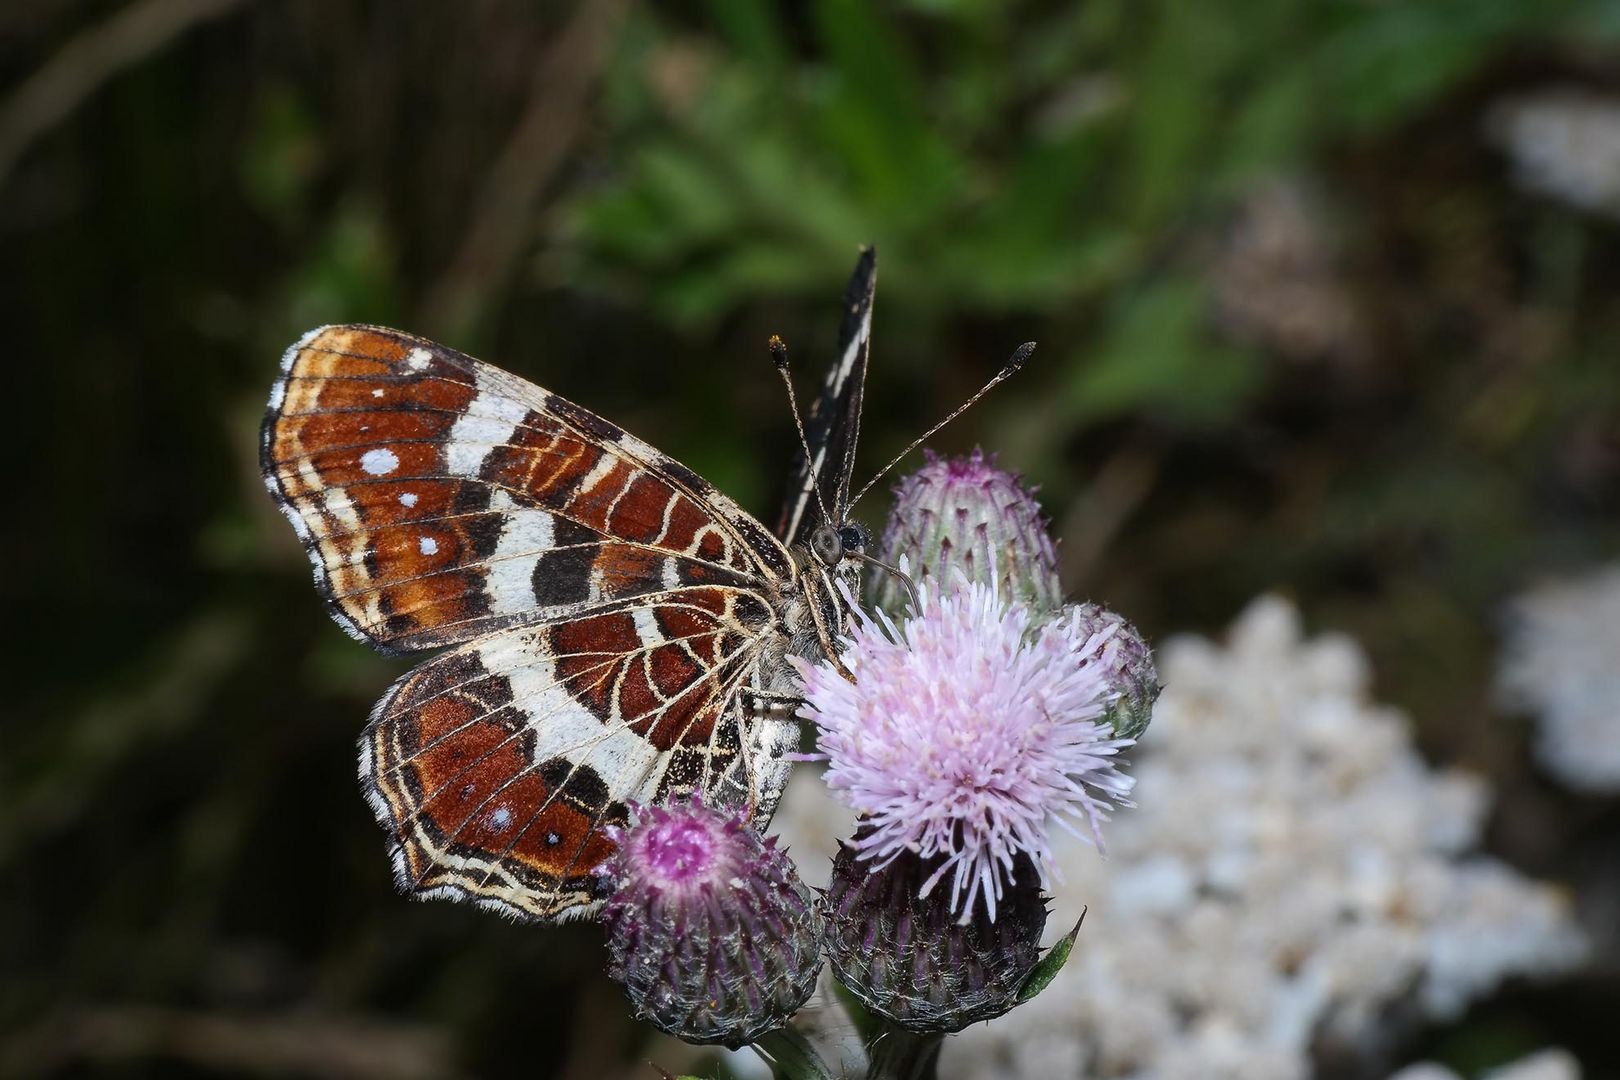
[(752, 29), (1050, 964), (1155, 356), (867, 1025), (281, 155), (351, 272), (874, 115), (1396, 58), (790, 1055), (1173, 118), (899, 1054)]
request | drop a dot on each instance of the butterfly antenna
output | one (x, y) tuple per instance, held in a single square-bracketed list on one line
[(779, 354), (1007, 371)]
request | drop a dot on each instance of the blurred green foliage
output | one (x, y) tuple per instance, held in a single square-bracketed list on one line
[(1005, 158), (1408, 413)]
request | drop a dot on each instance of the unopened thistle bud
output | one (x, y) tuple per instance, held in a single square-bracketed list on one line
[(712, 934), (1127, 663), (965, 514), (909, 958)]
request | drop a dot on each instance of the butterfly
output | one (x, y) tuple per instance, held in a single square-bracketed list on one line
[(617, 630)]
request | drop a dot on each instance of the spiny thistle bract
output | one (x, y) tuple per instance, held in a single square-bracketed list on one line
[(710, 931), (908, 958), (965, 514), (1127, 663)]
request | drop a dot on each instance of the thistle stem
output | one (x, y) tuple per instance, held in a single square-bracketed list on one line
[(790, 1055), (899, 1055)]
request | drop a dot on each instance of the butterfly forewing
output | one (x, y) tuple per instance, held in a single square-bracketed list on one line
[(834, 422), (610, 611), (441, 498)]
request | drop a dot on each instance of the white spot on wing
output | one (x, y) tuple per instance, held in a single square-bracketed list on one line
[(846, 363), (408, 498), (626, 762), (377, 392), (603, 466), (510, 568), (489, 421), (647, 627), (471, 439), (501, 818), (418, 359), (337, 503), (428, 546), (379, 462)]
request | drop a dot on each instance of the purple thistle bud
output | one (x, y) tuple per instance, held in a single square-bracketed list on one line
[(907, 956), (965, 514), (712, 934), (1128, 666), (968, 734)]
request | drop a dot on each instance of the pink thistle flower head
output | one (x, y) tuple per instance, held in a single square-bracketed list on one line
[(675, 852), (969, 732), (710, 931)]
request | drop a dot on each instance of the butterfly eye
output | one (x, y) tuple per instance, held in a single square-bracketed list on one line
[(827, 546), (853, 538)]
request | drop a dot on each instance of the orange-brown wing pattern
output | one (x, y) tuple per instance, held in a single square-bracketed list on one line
[(495, 767), (440, 498)]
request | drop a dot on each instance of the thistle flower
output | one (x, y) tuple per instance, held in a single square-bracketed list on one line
[(1128, 665), (909, 960), (964, 514), (712, 934), (968, 734)]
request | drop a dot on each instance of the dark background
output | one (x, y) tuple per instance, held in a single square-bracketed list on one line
[(1300, 329)]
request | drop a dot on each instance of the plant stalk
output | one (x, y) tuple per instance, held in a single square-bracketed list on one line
[(900, 1055), (790, 1055)]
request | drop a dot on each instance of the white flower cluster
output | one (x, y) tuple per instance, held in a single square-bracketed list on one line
[(1276, 282), (1561, 661), (1564, 143), (1545, 1065), (1292, 869)]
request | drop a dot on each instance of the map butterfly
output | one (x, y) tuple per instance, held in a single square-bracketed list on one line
[(616, 628)]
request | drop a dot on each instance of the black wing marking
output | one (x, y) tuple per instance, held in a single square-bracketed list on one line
[(834, 423)]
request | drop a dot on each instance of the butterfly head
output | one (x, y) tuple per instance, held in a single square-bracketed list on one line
[(831, 545), (834, 553)]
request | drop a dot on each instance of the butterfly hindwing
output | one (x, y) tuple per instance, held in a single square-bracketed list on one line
[(496, 766), (834, 422), (441, 498)]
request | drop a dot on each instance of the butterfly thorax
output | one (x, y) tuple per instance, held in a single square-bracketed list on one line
[(828, 579)]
